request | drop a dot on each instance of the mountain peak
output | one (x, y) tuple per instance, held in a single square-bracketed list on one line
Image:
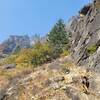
[(14, 41)]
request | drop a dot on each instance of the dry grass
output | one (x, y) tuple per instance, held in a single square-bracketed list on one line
[(36, 88), (3, 82), (15, 72), (68, 65)]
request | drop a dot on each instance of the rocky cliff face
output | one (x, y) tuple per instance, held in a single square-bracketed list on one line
[(13, 43), (85, 40)]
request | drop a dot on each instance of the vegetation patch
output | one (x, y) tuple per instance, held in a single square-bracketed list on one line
[(57, 45), (92, 49), (65, 53)]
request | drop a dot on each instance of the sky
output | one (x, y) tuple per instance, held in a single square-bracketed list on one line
[(29, 17)]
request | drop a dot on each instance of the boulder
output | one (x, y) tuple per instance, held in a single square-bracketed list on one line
[(74, 94), (2, 94), (55, 66), (9, 66), (55, 85), (58, 79)]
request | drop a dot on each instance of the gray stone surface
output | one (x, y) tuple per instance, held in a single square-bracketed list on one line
[(13, 43), (85, 32), (55, 66), (9, 66), (2, 94)]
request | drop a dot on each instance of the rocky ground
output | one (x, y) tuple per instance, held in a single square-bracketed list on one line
[(59, 80)]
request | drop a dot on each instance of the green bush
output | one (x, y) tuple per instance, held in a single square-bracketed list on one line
[(92, 49), (39, 54), (65, 53)]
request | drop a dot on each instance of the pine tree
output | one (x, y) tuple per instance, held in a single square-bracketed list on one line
[(58, 38)]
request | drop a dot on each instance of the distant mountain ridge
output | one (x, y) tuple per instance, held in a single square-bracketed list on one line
[(14, 42)]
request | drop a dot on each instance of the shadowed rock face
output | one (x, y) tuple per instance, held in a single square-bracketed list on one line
[(85, 33), (13, 43), (85, 9)]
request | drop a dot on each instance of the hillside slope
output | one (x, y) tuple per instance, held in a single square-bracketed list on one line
[(72, 77), (59, 80)]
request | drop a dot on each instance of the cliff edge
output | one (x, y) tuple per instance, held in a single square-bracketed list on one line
[(85, 36)]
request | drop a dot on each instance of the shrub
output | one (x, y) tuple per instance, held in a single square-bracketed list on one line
[(65, 53), (10, 59), (24, 56), (92, 49), (39, 54)]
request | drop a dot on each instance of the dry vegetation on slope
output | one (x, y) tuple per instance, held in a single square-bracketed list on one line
[(44, 72), (59, 80)]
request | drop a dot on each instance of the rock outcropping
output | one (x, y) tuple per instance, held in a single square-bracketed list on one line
[(85, 40), (14, 43)]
